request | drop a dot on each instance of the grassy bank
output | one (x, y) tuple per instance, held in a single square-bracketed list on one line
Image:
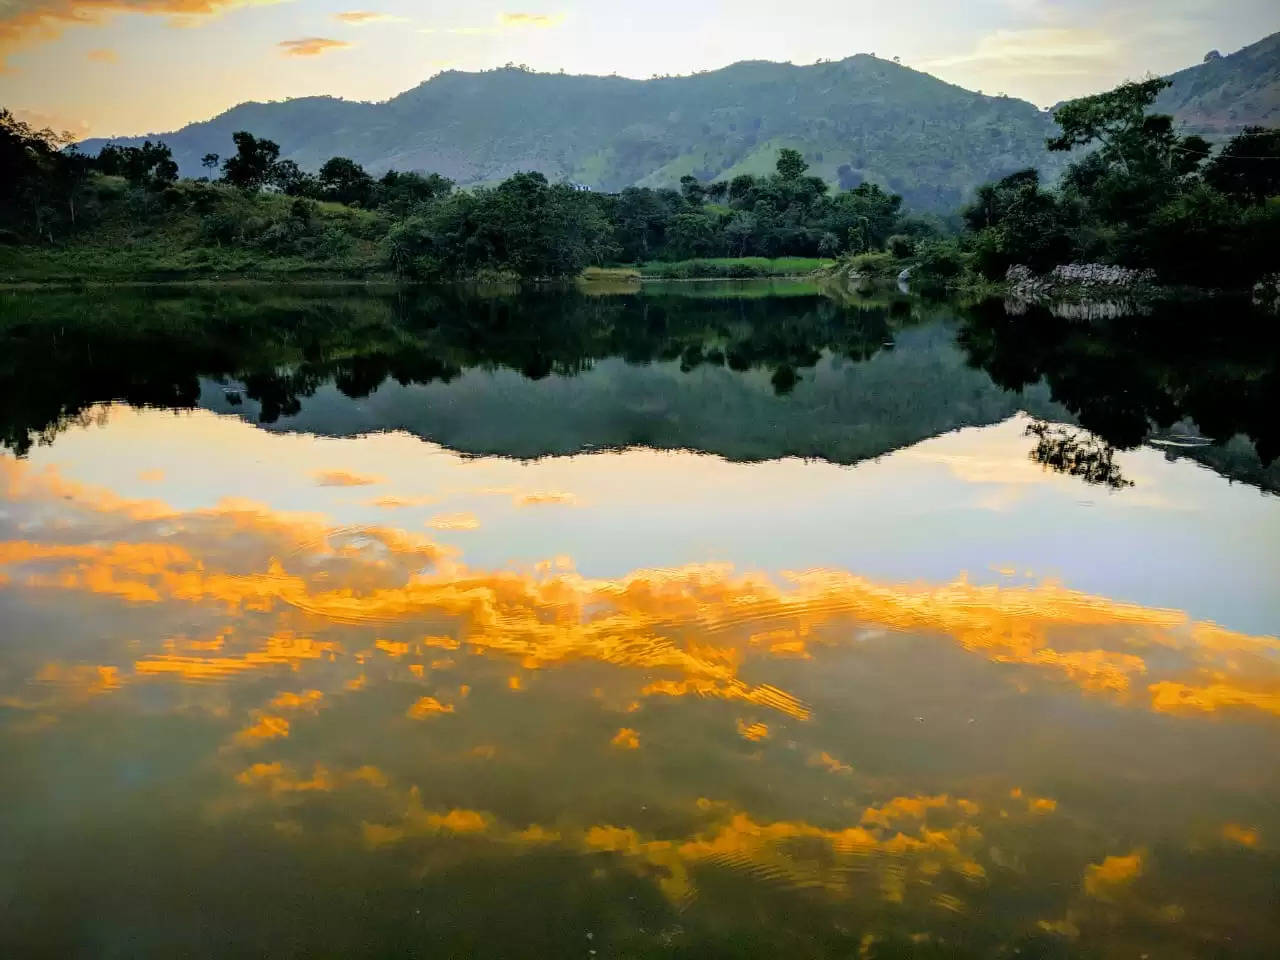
[(195, 231), (732, 268)]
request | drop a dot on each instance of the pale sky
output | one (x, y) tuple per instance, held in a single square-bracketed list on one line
[(118, 67)]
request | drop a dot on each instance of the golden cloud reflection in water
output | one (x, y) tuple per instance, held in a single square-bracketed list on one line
[(361, 686), (692, 630)]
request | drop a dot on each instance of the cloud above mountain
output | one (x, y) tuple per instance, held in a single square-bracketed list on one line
[(26, 22), (310, 46)]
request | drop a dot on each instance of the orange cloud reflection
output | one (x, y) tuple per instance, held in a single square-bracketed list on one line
[(791, 851), (1109, 879), (693, 629)]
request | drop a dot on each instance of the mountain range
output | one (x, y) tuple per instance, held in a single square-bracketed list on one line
[(862, 118)]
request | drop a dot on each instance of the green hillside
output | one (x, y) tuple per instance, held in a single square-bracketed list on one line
[(1225, 94), (859, 119)]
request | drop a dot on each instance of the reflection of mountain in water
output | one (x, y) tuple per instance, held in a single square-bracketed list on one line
[(744, 376)]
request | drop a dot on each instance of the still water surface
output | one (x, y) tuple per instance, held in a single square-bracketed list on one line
[(697, 621)]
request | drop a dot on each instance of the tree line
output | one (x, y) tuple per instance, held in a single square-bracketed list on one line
[(524, 226), (1142, 196), (1137, 194)]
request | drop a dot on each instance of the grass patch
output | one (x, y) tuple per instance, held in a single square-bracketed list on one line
[(598, 274), (733, 268)]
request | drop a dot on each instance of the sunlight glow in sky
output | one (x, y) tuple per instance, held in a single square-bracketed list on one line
[(106, 67)]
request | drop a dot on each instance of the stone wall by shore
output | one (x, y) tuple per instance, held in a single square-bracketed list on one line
[(1088, 279)]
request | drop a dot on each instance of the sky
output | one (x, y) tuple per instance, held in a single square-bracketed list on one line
[(120, 67)]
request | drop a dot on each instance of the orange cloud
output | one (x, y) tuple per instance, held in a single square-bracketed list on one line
[(917, 851), (25, 22), (284, 649), (626, 738), (454, 521), (59, 684), (428, 706), (307, 699), (276, 778), (1108, 879), (313, 47), (331, 478), (396, 503), (70, 129), (752, 731), (1169, 696), (545, 498), (358, 18), (103, 55), (1245, 836), (536, 20), (829, 763), (267, 727), (420, 822)]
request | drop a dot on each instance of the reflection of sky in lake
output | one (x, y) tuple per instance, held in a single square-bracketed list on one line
[(968, 502), (941, 697)]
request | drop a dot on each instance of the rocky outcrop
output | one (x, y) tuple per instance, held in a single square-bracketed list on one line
[(1079, 279), (1266, 293)]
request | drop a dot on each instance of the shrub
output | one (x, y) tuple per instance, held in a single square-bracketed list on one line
[(878, 266), (939, 263), (901, 246)]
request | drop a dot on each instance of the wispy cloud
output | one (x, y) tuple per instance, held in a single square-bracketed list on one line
[(358, 18), (540, 498), (310, 46), (504, 22), (102, 55), (26, 22), (454, 521), (538, 20), (1041, 50), (336, 478), (77, 129)]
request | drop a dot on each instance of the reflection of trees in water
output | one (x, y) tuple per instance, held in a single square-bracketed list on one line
[(150, 348), (1076, 454), (1215, 364)]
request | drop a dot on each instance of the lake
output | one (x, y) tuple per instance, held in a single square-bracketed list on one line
[(685, 620)]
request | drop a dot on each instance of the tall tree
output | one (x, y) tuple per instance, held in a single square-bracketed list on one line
[(791, 165), (1248, 168), (345, 181), (251, 166)]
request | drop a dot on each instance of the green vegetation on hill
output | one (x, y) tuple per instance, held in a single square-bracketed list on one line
[(124, 215), (1146, 198), (1224, 95), (862, 119), (857, 120)]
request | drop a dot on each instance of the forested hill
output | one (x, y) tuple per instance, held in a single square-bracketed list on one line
[(1225, 94), (857, 119)]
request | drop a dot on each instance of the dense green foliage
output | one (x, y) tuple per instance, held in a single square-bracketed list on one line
[(41, 189), (146, 223), (1137, 193), (1144, 197), (785, 214)]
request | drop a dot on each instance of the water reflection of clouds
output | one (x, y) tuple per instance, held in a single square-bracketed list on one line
[(359, 675), (690, 630)]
